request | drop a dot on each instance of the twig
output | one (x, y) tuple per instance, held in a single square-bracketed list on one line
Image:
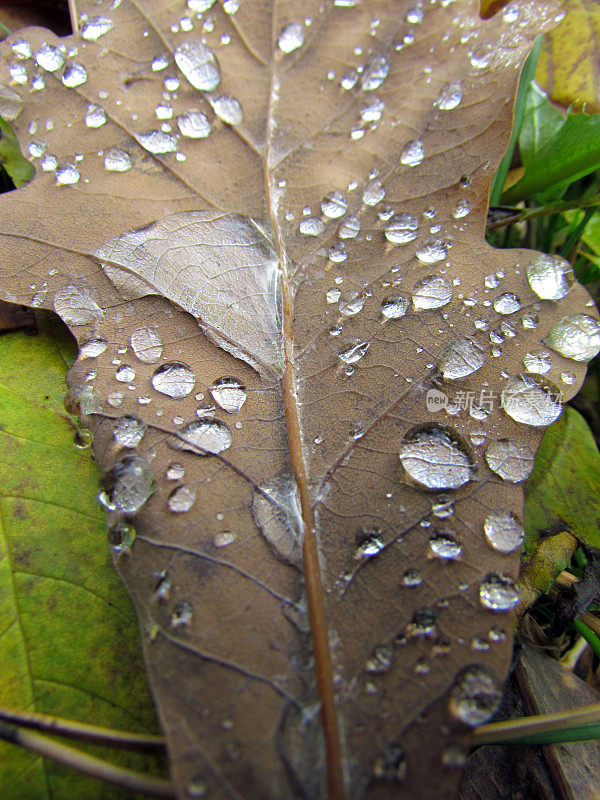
[(86, 764), (74, 15), (544, 211), (531, 726), (71, 729)]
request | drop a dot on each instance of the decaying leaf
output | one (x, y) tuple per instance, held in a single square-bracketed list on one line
[(265, 228)]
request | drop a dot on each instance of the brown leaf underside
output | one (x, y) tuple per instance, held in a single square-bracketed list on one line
[(393, 630)]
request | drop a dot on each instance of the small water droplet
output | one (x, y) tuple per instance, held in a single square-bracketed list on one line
[(507, 303), (394, 307), (74, 75), (576, 336), (291, 37), (129, 431), (368, 544), (116, 160), (129, 483), (431, 292), (146, 345), (498, 593), (434, 458), (95, 116), (351, 303), (76, 306), (157, 142), (351, 355), (413, 153), (67, 174), (375, 73), (95, 27), (350, 228), (449, 97), (481, 56), (460, 359), (550, 277), (431, 251), (204, 436), (49, 58), (182, 499), (503, 531), (121, 537), (380, 660), (373, 193), (227, 108), (461, 209), (475, 695), (373, 111), (125, 374), (199, 65), (444, 545), (224, 538), (229, 394), (174, 379), (182, 615), (538, 363), (276, 511), (532, 400), (312, 226), (510, 459), (401, 229), (197, 787), (334, 205)]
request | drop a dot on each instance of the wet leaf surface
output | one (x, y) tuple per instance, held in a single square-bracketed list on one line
[(68, 642), (266, 231)]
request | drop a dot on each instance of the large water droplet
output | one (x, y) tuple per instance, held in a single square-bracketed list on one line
[(394, 307), (204, 436), (276, 510), (129, 431), (194, 125), (373, 193), (449, 97), (129, 483), (199, 65), (401, 229), (157, 142), (351, 303), (498, 593), (74, 75), (95, 116), (531, 401), (95, 27), (350, 228), (227, 108), (125, 373), (182, 499), (475, 696), (67, 174), (431, 292), (174, 379), (116, 160), (576, 336), (413, 153), (444, 545), (311, 226), (481, 56), (510, 459), (460, 359), (49, 58), (503, 531), (373, 111), (368, 544), (550, 277), (147, 345), (291, 37), (507, 303), (351, 355), (92, 348), (538, 363), (334, 205), (431, 251), (229, 393), (434, 458)]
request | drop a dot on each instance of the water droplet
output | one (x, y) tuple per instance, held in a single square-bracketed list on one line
[(129, 431), (449, 97), (444, 545), (380, 660), (312, 226), (375, 74), (498, 593), (146, 345), (334, 205), (507, 303), (74, 75), (95, 27), (351, 303), (568, 378), (368, 544), (434, 458), (532, 401), (351, 355), (413, 153), (333, 295), (276, 511), (412, 578), (21, 48), (92, 348), (460, 359), (481, 56), (125, 374), (373, 111), (199, 65), (538, 363), (49, 58), (116, 160), (337, 253), (121, 537), (401, 229), (129, 483), (291, 37), (461, 209), (510, 459), (431, 251), (391, 766), (229, 394), (373, 193), (503, 531), (394, 307), (350, 228), (205, 436), (67, 174), (510, 13), (157, 142), (228, 109), (95, 116), (576, 336), (431, 292), (174, 379), (550, 277), (182, 615), (76, 306), (182, 499), (175, 472), (475, 695)]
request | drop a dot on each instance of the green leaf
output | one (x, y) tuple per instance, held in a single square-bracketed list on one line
[(562, 491), (18, 167), (69, 644), (555, 157)]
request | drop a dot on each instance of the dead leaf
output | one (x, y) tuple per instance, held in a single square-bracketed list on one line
[(265, 229)]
